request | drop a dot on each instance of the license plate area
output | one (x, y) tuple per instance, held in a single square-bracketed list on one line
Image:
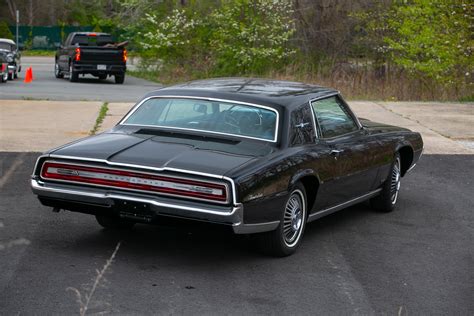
[(101, 67), (135, 210)]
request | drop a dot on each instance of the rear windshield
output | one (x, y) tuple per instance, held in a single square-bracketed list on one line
[(207, 116), (92, 40)]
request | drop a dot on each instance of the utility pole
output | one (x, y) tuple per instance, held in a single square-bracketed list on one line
[(17, 22)]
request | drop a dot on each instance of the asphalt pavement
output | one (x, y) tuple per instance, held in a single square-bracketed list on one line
[(417, 260), (46, 87)]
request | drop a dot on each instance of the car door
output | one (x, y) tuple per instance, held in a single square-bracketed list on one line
[(63, 57), (353, 169)]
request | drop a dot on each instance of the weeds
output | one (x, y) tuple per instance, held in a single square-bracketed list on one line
[(85, 300), (100, 118)]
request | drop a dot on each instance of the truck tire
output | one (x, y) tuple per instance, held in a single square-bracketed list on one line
[(57, 71), (119, 78), (73, 75)]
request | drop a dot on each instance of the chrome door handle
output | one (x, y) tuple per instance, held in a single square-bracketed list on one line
[(336, 152)]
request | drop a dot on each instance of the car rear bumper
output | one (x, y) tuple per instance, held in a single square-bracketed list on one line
[(94, 70), (142, 207)]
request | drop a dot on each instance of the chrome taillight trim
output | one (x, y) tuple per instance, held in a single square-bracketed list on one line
[(230, 192)]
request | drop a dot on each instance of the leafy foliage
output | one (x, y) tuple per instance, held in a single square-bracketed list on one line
[(5, 31), (251, 36), (432, 38), (239, 37)]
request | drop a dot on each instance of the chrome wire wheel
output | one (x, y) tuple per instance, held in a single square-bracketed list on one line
[(293, 219), (395, 181)]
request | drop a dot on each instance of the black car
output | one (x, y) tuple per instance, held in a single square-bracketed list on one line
[(258, 156), (3, 68), (9, 49), (91, 53)]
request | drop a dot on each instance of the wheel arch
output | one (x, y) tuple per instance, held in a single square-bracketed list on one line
[(406, 157), (310, 181)]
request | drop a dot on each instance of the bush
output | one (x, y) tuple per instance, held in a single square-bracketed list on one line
[(5, 31), (240, 37)]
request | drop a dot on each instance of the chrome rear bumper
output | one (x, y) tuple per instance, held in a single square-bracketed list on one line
[(227, 215)]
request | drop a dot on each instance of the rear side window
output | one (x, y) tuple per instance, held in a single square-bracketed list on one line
[(302, 129), (333, 118)]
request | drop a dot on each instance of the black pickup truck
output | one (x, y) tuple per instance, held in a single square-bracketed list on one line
[(91, 53)]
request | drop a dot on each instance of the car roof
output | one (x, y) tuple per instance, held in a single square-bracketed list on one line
[(6, 40), (274, 93), (87, 33)]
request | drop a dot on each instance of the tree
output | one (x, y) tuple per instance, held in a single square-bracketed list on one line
[(5, 31), (430, 38)]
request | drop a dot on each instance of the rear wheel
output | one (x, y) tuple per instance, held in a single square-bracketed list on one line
[(386, 201), (73, 75), (287, 237), (119, 78), (4, 77), (10, 76), (113, 222)]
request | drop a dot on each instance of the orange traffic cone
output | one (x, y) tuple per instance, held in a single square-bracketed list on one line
[(28, 75)]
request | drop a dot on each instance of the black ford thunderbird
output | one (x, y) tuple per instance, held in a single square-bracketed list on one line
[(258, 156)]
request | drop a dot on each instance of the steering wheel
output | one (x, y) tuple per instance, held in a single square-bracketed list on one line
[(231, 120)]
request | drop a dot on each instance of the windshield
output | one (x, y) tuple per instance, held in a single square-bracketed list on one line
[(210, 116), (6, 46)]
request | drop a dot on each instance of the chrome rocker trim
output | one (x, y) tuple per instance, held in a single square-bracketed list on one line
[(338, 207), (234, 216)]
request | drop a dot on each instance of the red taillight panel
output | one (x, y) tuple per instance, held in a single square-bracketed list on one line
[(125, 55), (135, 181), (78, 54)]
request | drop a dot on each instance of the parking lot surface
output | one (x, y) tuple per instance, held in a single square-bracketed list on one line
[(89, 88), (415, 261)]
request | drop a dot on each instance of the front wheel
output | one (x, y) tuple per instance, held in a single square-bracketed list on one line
[(386, 201), (287, 237), (57, 71), (110, 222), (4, 77)]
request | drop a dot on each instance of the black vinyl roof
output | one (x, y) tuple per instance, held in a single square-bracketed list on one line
[(274, 93)]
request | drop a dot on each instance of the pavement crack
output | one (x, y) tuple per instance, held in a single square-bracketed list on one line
[(84, 299), (7, 174)]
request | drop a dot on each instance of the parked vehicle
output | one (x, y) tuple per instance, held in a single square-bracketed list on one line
[(3, 68), (257, 156), (91, 53), (13, 57)]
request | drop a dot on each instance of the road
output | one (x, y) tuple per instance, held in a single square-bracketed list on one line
[(417, 260), (89, 88)]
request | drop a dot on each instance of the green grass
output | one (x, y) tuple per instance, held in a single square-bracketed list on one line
[(100, 118), (48, 53)]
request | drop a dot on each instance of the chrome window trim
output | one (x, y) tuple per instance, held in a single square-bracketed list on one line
[(135, 108), (228, 196), (110, 163), (346, 106)]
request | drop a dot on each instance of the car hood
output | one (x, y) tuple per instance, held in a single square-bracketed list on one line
[(153, 151)]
